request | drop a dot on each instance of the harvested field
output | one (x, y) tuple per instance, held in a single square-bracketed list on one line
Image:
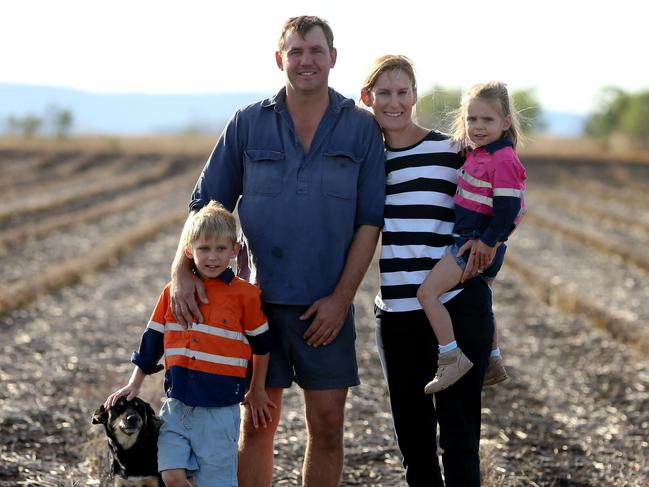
[(84, 256)]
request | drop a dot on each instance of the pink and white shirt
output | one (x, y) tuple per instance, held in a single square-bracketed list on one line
[(489, 201)]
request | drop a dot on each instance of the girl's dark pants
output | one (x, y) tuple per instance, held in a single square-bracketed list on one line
[(408, 351)]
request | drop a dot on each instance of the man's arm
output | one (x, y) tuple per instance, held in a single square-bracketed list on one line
[(221, 180), (331, 310), (185, 285)]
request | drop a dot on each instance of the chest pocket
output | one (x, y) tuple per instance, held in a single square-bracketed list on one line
[(477, 173), (340, 173), (263, 172), (222, 315)]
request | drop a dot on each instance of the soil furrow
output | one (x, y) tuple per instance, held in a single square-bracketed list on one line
[(602, 278), (587, 207), (119, 204), (574, 412), (571, 413), (73, 197)]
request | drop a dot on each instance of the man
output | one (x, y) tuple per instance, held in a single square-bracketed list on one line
[(308, 166)]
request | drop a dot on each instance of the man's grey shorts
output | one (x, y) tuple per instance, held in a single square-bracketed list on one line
[(330, 366)]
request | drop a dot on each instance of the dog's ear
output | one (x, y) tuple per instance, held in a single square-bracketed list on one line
[(100, 416), (150, 413)]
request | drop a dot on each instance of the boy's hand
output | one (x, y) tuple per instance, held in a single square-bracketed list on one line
[(259, 403), (130, 391)]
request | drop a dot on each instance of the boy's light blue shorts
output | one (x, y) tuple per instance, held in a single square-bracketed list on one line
[(202, 440)]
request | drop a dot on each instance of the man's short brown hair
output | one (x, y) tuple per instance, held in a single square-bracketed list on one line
[(304, 24)]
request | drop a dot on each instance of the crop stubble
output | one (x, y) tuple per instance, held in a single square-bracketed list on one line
[(574, 412)]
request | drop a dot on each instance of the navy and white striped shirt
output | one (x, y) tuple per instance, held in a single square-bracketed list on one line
[(418, 219)]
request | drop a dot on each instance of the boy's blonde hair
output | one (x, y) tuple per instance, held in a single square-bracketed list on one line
[(492, 91), (212, 220)]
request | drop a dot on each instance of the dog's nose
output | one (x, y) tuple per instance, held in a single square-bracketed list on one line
[(132, 419)]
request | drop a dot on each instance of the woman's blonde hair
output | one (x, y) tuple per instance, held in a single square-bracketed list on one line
[(389, 62), (492, 91), (212, 220)]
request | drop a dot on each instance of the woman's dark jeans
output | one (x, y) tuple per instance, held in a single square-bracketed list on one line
[(408, 351)]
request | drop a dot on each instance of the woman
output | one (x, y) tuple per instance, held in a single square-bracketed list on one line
[(421, 171)]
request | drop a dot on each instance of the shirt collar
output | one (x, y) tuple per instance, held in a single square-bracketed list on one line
[(498, 144), (336, 101), (226, 276)]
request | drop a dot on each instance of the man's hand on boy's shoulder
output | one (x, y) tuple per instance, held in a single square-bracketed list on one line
[(185, 287)]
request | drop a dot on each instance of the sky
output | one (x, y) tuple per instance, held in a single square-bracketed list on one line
[(566, 50)]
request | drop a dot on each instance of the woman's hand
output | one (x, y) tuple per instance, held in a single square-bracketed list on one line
[(483, 254), (479, 259)]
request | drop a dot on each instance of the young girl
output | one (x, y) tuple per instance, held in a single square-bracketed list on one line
[(488, 205)]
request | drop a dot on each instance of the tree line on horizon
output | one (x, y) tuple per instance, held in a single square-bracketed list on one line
[(56, 121), (438, 107), (623, 113), (618, 113)]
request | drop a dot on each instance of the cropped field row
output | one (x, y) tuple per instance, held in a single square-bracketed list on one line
[(71, 218), (57, 237), (38, 168), (572, 412), (108, 186), (77, 174)]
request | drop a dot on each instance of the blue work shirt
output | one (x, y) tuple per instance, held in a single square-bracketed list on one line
[(298, 211)]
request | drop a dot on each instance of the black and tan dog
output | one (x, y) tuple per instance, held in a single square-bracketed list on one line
[(132, 431)]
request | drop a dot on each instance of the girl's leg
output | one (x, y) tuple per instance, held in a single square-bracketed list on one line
[(444, 276), (452, 363), (496, 372)]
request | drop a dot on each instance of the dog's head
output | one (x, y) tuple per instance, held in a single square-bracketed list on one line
[(125, 420)]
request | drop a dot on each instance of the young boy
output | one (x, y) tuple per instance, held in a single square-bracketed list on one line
[(206, 364)]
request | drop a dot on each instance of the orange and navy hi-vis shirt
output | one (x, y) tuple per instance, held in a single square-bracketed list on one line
[(206, 363)]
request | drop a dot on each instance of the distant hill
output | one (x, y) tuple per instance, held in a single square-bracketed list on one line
[(132, 114), (127, 114), (563, 124)]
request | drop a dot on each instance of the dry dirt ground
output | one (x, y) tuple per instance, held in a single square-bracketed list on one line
[(575, 412)]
